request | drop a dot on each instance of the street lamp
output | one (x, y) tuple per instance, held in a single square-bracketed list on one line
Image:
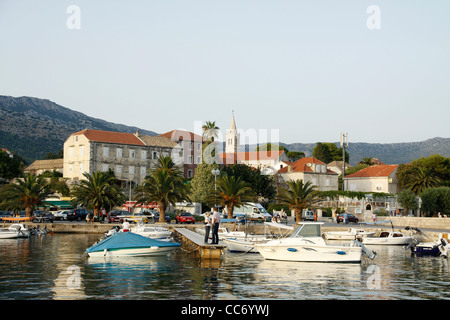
[(215, 173)]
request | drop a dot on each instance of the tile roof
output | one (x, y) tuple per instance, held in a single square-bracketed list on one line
[(110, 137), (157, 141), (301, 165), (177, 135), (374, 171), (227, 158), (51, 164)]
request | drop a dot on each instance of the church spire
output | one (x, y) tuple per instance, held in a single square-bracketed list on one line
[(233, 122), (232, 137)]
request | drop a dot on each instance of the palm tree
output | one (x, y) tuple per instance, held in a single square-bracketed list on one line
[(422, 178), (210, 130), (232, 192), (298, 196), (25, 193), (98, 190), (162, 187)]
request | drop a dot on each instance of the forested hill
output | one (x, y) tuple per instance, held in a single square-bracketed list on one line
[(389, 153), (33, 127)]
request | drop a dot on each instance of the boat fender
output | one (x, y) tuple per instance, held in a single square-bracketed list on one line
[(291, 249), (341, 252)]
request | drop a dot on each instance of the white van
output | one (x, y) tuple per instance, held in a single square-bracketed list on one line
[(252, 211), (308, 215)]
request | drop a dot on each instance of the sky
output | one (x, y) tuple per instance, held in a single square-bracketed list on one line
[(309, 70)]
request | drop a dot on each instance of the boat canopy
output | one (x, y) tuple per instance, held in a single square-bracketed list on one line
[(123, 240)]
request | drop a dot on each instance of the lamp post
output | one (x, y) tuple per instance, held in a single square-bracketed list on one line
[(215, 173)]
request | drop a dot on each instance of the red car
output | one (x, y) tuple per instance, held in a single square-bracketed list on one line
[(185, 217)]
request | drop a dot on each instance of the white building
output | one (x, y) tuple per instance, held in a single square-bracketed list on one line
[(311, 169), (380, 178)]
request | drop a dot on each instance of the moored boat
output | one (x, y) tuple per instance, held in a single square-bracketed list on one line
[(307, 245), (130, 244), (351, 234), (388, 238), (152, 232)]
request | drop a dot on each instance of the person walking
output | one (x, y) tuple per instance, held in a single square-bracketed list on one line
[(207, 225), (215, 225)]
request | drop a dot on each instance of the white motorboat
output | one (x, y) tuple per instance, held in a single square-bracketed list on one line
[(350, 234), (130, 244), (15, 230), (388, 238), (307, 245), (420, 247), (152, 232), (223, 233), (247, 243)]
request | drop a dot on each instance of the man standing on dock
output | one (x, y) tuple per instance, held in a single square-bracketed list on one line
[(215, 225)]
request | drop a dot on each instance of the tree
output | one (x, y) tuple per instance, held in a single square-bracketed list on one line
[(435, 200), (210, 130), (10, 166), (164, 185), (262, 185), (232, 192), (271, 147), (295, 155), (329, 152), (202, 184), (25, 193), (435, 166), (421, 178), (298, 196), (99, 190), (408, 200), (57, 182)]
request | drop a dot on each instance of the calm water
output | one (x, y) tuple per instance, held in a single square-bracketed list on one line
[(52, 267)]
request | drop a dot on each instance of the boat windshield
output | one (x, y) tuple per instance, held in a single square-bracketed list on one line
[(308, 230)]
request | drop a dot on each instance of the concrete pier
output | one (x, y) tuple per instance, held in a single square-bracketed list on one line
[(193, 242)]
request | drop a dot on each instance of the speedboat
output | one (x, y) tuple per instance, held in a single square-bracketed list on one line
[(152, 232), (130, 244), (247, 244), (15, 230), (307, 245), (350, 234), (388, 238), (421, 247)]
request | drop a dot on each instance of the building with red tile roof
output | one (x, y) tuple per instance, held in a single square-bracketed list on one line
[(311, 169), (378, 178), (129, 155)]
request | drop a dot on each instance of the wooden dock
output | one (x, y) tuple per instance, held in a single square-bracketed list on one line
[(192, 242)]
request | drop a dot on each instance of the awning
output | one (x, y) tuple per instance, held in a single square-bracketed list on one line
[(58, 203)]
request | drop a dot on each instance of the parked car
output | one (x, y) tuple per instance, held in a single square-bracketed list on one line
[(5, 214), (77, 214), (185, 217), (166, 216), (117, 215), (350, 218), (308, 215), (61, 214), (42, 216)]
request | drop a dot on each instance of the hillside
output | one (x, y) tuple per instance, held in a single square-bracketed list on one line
[(33, 127), (389, 153)]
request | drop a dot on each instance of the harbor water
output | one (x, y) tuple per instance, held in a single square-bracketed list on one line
[(53, 267)]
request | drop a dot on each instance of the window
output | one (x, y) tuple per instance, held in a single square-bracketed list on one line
[(189, 173), (71, 151), (190, 159), (118, 169), (191, 145), (199, 160), (70, 168), (131, 170), (143, 154), (143, 170), (81, 168), (81, 151), (154, 155), (132, 153), (106, 151), (105, 167), (119, 153)]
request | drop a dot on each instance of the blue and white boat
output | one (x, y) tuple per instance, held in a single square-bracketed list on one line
[(130, 244)]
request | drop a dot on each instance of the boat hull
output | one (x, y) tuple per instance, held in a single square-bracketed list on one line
[(426, 249), (9, 235), (387, 241), (235, 245), (150, 251), (308, 253)]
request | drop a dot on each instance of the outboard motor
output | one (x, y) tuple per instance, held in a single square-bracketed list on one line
[(366, 251), (443, 248)]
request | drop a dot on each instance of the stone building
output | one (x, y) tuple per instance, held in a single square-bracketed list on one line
[(129, 155)]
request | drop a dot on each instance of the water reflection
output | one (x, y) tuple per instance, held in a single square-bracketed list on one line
[(53, 267)]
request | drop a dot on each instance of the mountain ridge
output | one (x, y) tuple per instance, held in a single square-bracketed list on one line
[(33, 127)]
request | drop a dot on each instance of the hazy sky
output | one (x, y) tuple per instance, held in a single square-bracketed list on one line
[(379, 70)]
